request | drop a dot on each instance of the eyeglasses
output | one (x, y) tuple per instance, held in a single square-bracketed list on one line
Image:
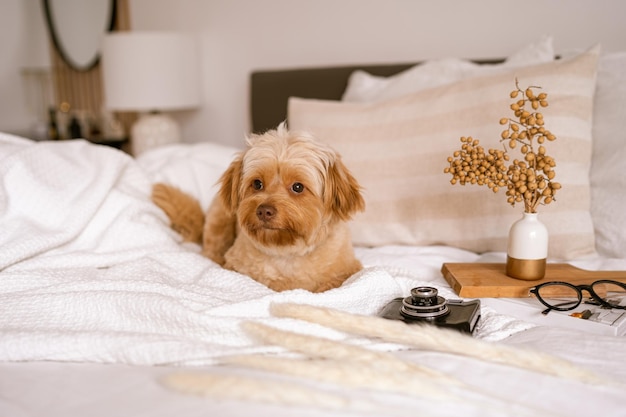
[(563, 296)]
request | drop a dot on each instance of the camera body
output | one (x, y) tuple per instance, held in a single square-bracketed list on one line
[(424, 305)]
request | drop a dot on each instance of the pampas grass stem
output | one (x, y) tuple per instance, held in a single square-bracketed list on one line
[(434, 338), (240, 388), (329, 349)]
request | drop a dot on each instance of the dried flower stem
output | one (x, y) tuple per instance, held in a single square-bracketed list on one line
[(530, 179)]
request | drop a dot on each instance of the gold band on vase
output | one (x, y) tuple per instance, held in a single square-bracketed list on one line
[(526, 269)]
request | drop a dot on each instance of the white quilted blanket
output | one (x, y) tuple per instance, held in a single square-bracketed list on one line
[(90, 271)]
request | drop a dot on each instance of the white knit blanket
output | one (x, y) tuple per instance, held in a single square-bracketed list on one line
[(90, 270)]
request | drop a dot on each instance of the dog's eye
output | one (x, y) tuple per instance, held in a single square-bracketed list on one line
[(297, 187), (257, 185)]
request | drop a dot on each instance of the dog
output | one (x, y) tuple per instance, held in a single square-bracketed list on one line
[(280, 215)]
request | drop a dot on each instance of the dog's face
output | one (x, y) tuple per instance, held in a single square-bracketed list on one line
[(289, 190)]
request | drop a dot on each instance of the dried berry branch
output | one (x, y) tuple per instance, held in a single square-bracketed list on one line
[(530, 179)]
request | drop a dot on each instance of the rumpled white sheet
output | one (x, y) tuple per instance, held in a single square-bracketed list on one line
[(67, 204), (91, 272)]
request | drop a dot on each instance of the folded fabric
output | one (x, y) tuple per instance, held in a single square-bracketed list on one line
[(90, 270)]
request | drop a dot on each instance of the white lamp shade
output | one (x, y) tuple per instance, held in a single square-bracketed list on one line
[(146, 71)]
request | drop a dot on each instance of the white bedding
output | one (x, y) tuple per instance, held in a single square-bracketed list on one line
[(95, 284), (97, 273)]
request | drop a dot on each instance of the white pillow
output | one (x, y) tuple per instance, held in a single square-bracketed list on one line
[(364, 87), (397, 150), (193, 168), (608, 167)]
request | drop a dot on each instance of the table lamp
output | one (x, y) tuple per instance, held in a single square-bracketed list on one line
[(150, 72)]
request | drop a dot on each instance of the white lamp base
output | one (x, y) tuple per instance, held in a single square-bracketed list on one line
[(152, 130)]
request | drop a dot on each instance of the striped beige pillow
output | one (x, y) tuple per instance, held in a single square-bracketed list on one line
[(397, 149)]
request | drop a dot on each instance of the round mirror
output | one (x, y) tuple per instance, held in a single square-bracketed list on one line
[(77, 27)]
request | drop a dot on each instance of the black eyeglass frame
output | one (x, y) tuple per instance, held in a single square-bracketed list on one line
[(579, 292)]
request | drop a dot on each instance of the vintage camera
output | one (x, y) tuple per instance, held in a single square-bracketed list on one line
[(426, 306)]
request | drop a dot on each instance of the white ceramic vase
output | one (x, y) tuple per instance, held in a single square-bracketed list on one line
[(527, 249)]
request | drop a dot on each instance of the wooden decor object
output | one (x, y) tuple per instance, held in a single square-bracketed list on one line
[(82, 90), (488, 280)]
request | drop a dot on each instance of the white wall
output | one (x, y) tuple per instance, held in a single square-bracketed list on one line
[(237, 36), (23, 44)]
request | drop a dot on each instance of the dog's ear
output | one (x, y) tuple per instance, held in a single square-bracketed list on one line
[(230, 182), (342, 192)]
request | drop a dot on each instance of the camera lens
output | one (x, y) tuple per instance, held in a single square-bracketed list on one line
[(424, 296), (424, 302)]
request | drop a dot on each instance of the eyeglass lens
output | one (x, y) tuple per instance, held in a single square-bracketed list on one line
[(562, 296), (613, 293), (559, 296)]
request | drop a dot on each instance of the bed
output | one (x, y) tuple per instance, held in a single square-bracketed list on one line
[(105, 311)]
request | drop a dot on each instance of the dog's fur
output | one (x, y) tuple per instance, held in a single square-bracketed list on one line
[(280, 215)]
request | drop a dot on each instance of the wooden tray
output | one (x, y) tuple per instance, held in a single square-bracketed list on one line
[(488, 280)]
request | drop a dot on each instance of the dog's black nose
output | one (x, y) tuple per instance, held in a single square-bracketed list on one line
[(265, 212)]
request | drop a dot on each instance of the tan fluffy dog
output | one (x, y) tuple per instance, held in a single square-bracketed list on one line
[(280, 214)]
